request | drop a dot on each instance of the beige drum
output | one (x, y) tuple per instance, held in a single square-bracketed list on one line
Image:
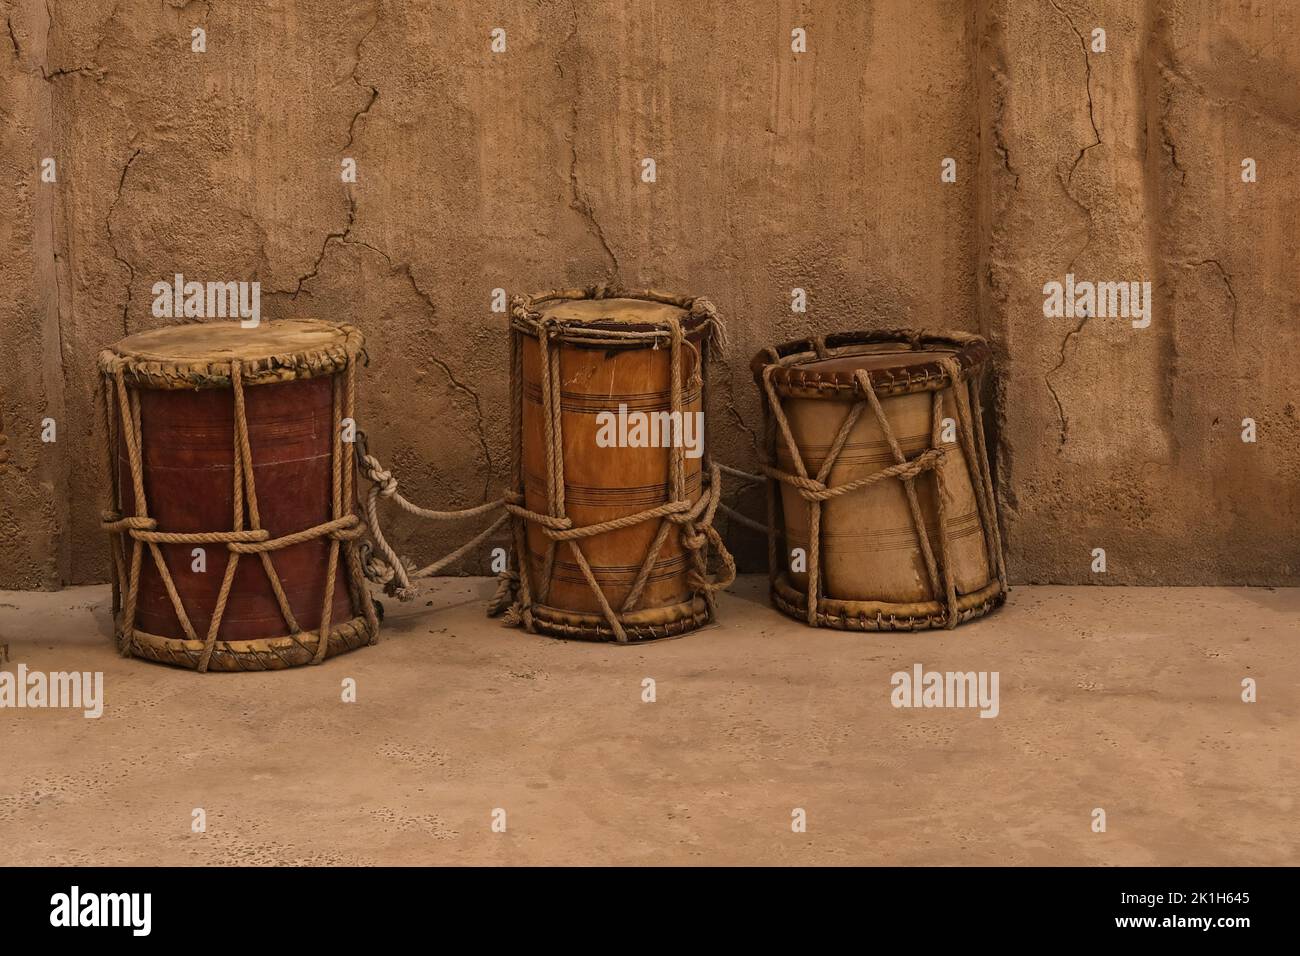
[(885, 517)]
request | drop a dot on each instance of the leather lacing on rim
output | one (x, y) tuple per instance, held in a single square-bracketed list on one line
[(787, 363)]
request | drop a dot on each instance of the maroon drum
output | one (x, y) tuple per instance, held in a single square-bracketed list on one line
[(233, 521)]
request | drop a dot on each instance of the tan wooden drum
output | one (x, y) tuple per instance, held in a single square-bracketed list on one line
[(613, 511), (233, 522), (886, 517)]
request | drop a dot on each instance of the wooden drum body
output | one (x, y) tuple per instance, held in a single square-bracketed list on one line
[(612, 537), (230, 440), (879, 455)]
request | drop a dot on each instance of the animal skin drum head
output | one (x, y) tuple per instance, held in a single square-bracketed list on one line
[(613, 311), (897, 361), (198, 355), (882, 356), (575, 314), (223, 341)]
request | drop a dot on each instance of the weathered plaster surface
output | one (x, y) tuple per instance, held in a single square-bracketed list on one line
[(821, 171)]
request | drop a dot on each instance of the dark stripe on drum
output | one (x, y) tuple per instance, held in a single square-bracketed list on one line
[(890, 539), (593, 403), (619, 575), (639, 495), (857, 453), (190, 437)]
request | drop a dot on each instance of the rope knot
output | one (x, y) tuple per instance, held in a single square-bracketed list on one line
[(113, 521), (378, 476), (350, 527), (552, 526)]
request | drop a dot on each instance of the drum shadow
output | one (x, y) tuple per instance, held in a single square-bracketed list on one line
[(447, 594), (752, 589), (102, 613)]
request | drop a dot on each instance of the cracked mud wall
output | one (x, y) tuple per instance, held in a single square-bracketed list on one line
[(1128, 166), (34, 505), (819, 171)]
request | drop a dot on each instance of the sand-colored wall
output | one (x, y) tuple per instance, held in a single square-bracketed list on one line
[(819, 170), (1127, 165)]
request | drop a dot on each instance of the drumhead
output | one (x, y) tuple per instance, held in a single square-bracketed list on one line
[(580, 313), (199, 355), (612, 311), (898, 362), (877, 356)]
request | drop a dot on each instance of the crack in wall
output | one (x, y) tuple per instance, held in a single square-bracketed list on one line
[(999, 144), (1092, 121), (112, 243), (374, 90), (50, 76), (320, 257), (352, 201), (93, 68), (374, 95), (731, 404), (1087, 85), (993, 214), (993, 91), (345, 238), (1047, 380), (576, 201), (58, 326), (581, 205), (1066, 183), (988, 57), (18, 50), (405, 269), (1173, 152), (53, 388)]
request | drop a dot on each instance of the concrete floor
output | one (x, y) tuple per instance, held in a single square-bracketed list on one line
[(1124, 699)]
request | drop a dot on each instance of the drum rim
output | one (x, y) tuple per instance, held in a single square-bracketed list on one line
[(846, 614), (648, 624), (791, 380), (700, 316), (151, 370), (245, 654)]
